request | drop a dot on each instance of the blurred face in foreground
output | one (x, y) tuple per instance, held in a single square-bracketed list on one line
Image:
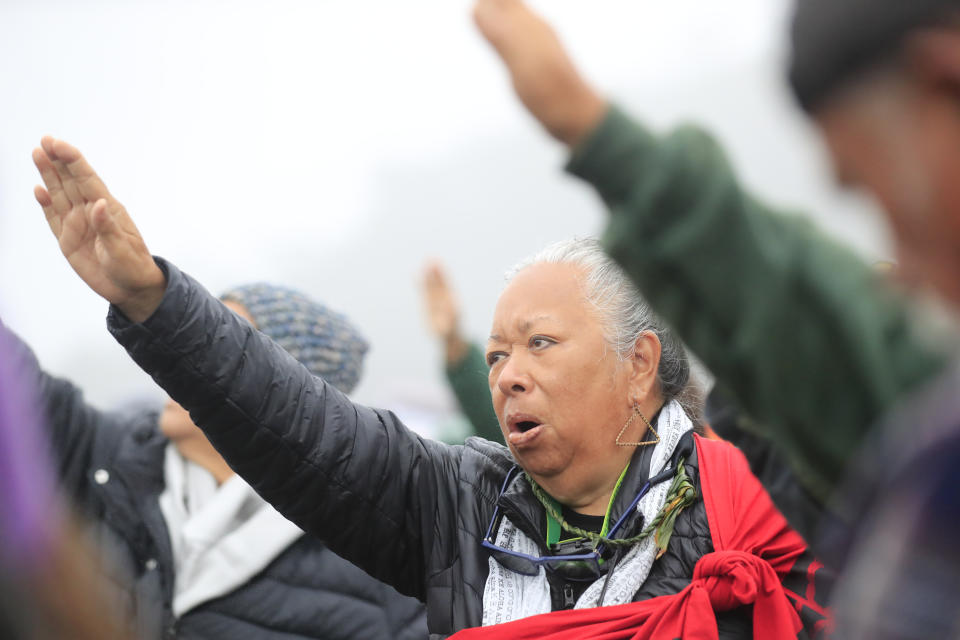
[(175, 422), (897, 133), (561, 393)]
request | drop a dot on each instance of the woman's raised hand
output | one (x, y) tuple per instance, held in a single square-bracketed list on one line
[(544, 77), (95, 233)]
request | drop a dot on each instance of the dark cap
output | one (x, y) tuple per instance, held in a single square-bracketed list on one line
[(835, 40)]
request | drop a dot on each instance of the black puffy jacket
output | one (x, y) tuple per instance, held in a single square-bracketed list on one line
[(410, 511), (112, 467)]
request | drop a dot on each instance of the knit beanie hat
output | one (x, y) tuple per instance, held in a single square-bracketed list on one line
[(324, 341), (835, 40)]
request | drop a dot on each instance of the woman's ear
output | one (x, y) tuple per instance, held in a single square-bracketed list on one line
[(644, 363)]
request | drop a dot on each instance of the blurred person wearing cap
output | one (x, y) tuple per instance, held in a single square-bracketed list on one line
[(190, 549), (881, 79), (829, 363)]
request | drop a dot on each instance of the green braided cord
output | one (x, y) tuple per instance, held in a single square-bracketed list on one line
[(681, 494)]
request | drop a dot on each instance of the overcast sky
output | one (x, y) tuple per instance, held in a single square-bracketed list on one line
[(334, 145)]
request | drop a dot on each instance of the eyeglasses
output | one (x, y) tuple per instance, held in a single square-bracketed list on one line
[(577, 560)]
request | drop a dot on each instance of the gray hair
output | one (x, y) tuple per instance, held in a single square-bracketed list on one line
[(625, 315)]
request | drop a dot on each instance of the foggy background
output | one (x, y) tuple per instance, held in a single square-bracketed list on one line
[(335, 145)]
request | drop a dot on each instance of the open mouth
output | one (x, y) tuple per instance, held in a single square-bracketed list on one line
[(526, 425), (524, 428)]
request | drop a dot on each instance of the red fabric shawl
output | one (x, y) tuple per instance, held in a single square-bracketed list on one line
[(754, 548)]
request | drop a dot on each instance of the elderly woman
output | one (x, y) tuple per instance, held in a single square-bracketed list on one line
[(596, 500)]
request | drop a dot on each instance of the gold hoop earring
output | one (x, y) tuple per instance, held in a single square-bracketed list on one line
[(636, 412)]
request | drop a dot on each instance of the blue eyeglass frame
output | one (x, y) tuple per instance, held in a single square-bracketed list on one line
[(592, 558)]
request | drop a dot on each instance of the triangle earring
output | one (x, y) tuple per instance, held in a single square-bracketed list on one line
[(636, 412)]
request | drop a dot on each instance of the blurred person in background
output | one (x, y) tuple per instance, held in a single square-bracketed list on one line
[(880, 78), (465, 367), (189, 549), (793, 325), (604, 496), (49, 588), (817, 521)]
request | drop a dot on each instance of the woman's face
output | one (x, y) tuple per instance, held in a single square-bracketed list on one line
[(560, 392)]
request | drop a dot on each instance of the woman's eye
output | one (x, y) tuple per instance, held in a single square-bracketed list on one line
[(495, 357), (539, 342)]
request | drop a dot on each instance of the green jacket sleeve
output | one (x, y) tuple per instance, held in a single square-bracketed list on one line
[(793, 324), (468, 379)]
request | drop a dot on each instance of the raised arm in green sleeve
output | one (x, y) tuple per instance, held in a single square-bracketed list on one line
[(468, 379), (794, 324)]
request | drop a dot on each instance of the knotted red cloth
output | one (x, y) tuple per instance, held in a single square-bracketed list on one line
[(754, 550)]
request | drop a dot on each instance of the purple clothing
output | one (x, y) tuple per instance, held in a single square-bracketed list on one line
[(902, 579), (26, 479)]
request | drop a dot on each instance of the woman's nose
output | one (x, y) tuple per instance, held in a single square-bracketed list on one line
[(513, 377)]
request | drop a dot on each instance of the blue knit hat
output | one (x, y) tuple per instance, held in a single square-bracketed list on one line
[(325, 341)]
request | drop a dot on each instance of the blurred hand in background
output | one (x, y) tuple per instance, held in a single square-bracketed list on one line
[(544, 77), (443, 312)]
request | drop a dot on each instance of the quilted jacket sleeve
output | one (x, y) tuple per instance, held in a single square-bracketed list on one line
[(353, 476)]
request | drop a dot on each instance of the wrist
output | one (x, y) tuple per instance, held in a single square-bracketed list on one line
[(455, 349), (582, 114), (140, 305)]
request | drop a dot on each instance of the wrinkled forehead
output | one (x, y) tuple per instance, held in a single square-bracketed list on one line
[(539, 295)]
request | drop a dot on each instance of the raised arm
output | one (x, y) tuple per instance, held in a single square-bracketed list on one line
[(355, 477), (465, 367), (793, 323), (468, 379)]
